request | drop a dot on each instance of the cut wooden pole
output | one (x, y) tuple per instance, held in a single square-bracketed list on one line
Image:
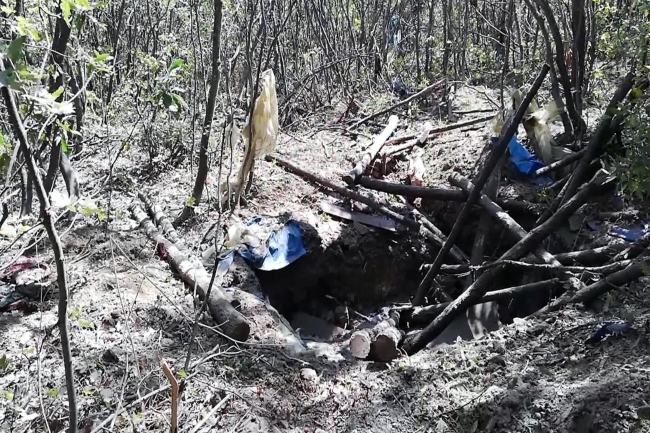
[(456, 254), (230, 321), (430, 312), (514, 228), (631, 273), (441, 194), (561, 163), (379, 342), (371, 153), (434, 131), (497, 153), (421, 94)]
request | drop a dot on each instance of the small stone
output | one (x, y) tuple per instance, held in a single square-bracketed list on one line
[(110, 357), (643, 412), (309, 379), (498, 359), (511, 400)]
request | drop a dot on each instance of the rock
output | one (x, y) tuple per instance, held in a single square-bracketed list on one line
[(497, 359), (308, 379)]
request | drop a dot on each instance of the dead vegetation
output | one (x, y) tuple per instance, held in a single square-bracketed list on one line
[(451, 256)]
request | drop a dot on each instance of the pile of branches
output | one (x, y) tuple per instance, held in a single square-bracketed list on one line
[(618, 265)]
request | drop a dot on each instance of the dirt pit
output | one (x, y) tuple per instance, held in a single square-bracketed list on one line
[(349, 273)]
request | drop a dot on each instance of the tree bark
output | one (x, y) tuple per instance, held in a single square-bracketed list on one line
[(48, 223), (202, 172)]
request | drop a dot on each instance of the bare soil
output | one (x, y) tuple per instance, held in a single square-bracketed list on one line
[(129, 312)]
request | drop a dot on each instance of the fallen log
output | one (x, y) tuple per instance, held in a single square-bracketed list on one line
[(230, 321), (385, 345), (441, 129), (421, 94), (426, 314), (379, 342), (371, 153), (161, 219), (442, 194), (592, 256), (456, 255), (360, 344), (484, 282), (495, 157)]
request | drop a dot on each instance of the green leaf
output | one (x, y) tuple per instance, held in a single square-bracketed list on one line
[(89, 390), (54, 392), (66, 9), (26, 74), (99, 58), (190, 202), (29, 351), (167, 99), (127, 146), (176, 63), (182, 374), (86, 323), (15, 48), (8, 395), (58, 92), (74, 313), (178, 101), (7, 10), (64, 146), (79, 22)]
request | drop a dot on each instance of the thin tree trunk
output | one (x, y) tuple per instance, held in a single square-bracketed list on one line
[(202, 172)]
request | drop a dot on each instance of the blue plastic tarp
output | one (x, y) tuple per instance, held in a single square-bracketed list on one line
[(525, 163), (630, 234), (283, 247)]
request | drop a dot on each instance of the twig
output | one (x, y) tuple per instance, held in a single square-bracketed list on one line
[(422, 93), (459, 269), (214, 410)]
